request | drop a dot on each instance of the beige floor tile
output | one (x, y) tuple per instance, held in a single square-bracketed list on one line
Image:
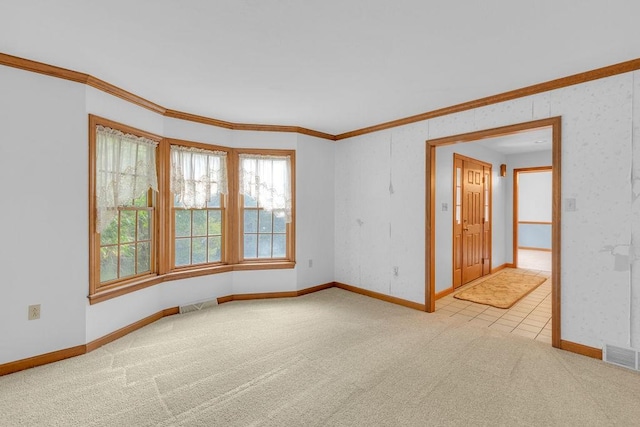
[(544, 339), (523, 333), (530, 328), (461, 316), (478, 308), (469, 313), (503, 328), (506, 322), (489, 317), (513, 317), (533, 322), (480, 322)]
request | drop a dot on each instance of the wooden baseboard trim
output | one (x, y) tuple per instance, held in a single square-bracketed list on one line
[(267, 295), (584, 350), (130, 328), (444, 293), (502, 267), (56, 356), (43, 359), (383, 297), (316, 288)]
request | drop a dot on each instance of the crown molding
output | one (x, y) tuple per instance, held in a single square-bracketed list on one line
[(599, 73), (75, 76)]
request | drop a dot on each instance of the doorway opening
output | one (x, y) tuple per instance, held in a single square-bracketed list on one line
[(552, 124), (532, 209)]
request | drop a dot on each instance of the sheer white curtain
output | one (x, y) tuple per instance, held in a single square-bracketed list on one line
[(125, 169), (267, 179), (197, 175)]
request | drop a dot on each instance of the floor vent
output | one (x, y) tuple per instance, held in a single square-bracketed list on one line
[(625, 357), (198, 306)]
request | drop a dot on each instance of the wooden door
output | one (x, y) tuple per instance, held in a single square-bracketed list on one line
[(471, 219)]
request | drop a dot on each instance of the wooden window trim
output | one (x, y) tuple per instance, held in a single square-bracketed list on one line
[(257, 263), (95, 287), (163, 233)]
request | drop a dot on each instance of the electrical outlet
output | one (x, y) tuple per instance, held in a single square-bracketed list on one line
[(310, 263), (34, 312), (395, 271)]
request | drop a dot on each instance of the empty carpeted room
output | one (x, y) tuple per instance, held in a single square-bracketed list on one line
[(307, 213)]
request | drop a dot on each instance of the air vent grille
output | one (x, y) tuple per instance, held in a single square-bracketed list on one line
[(625, 357), (198, 306)]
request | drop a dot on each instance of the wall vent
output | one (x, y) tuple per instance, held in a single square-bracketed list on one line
[(625, 357), (197, 306)]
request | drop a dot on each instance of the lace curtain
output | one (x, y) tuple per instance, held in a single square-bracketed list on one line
[(125, 169), (267, 179), (197, 175)]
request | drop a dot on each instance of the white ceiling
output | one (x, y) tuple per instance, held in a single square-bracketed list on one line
[(519, 143), (328, 65)]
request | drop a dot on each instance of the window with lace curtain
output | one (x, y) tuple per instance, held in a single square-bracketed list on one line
[(124, 183), (199, 185), (265, 189), (165, 209)]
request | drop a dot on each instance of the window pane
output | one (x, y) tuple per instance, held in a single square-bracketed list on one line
[(199, 250), (264, 246), (183, 252), (250, 245), (250, 202), (215, 223), (214, 201), (215, 249), (141, 201), (265, 221), (127, 260), (127, 226), (183, 223), (109, 235), (108, 263), (250, 221), (144, 226), (279, 225), (199, 223), (279, 245), (144, 257)]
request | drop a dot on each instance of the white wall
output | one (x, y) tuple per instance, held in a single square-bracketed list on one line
[(44, 227), (596, 163), (444, 219), (43, 231)]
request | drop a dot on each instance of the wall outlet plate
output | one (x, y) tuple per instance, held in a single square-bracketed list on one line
[(34, 312)]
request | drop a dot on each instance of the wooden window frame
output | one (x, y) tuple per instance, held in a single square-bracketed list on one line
[(288, 261), (130, 283), (163, 233)]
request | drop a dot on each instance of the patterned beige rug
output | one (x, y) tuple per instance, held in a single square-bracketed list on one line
[(502, 290)]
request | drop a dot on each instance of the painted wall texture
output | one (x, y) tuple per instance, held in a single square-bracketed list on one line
[(377, 229), (44, 227)]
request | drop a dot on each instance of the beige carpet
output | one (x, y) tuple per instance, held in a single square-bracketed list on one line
[(330, 358), (503, 289)]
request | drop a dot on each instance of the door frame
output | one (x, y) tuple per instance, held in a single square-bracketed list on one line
[(533, 169), (457, 157), (553, 123)]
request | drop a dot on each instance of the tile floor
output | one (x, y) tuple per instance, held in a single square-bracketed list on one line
[(530, 317), (534, 260)]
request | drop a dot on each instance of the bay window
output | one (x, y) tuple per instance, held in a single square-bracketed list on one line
[(164, 209)]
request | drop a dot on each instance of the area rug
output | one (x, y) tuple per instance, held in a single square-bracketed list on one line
[(502, 290)]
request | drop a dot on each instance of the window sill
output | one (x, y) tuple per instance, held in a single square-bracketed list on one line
[(146, 281)]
